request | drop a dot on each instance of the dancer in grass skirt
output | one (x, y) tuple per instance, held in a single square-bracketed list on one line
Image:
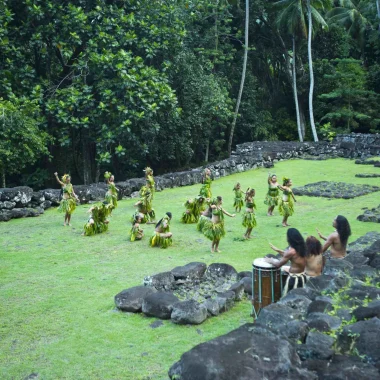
[(136, 232), (206, 184), (162, 236), (214, 229), (286, 206), (98, 221), (150, 184), (111, 194), (272, 198), (238, 202), (69, 198), (145, 204), (205, 217), (194, 208), (249, 219)]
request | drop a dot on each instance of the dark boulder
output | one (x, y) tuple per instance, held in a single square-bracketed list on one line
[(238, 289), (160, 281), (337, 267), (247, 283), (237, 355), (296, 301), (159, 305), (189, 312), (191, 271), (131, 299), (370, 311), (320, 306), (243, 274), (342, 367), (323, 322), (364, 336), (221, 270)]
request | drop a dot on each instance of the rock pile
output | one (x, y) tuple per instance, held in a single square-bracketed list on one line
[(372, 215), (187, 294), (328, 189), (329, 329)]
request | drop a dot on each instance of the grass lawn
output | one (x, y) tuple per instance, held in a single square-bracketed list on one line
[(57, 313)]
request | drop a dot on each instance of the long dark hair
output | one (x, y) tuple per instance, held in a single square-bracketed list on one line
[(296, 241), (343, 228), (313, 246), (169, 214)]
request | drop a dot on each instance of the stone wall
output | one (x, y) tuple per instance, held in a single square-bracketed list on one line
[(23, 201)]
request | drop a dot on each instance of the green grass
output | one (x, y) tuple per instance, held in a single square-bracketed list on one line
[(57, 314)]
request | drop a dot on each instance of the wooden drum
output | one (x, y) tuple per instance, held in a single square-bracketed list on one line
[(266, 285)]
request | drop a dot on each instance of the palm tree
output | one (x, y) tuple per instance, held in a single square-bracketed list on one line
[(242, 78), (349, 14), (294, 15), (292, 19)]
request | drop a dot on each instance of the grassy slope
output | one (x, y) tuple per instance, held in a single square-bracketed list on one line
[(57, 315)]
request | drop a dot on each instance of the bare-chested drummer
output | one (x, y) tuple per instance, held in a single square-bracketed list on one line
[(337, 241), (295, 253), (314, 258)]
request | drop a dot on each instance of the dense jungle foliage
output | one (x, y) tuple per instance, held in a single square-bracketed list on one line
[(94, 85)]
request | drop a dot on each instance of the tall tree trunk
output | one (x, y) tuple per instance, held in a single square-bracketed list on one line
[(378, 11), (86, 153), (242, 77), (311, 112), (207, 150), (302, 118), (295, 91), (289, 75), (97, 172)]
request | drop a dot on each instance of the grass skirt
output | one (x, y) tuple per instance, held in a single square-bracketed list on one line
[(135, 233), (95, 228), (286, 209), (201, 222), (67, 206), (238, 203), (271, 201), (249, 220), (205, 191), (158, 241), (111, 199), (213, 231), (188, 217)]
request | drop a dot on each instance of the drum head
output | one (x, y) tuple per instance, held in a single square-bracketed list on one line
[(261, 263)]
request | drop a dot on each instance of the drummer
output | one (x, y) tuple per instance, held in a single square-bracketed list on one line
[(295, 253)]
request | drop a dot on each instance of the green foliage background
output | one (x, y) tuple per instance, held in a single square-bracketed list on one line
[(57, 313), (119, 85)]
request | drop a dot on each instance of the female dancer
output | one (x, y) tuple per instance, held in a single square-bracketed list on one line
[(98, 220), (150, 184), (249, 219), (314, 257), (68, 203), (206, 184), (286, 207), (111, 194), (338, 239), (136, 232), (238, 203), (145, 204), (162, 236), (205, 217), (271, 199), (295, 253), (214, 229), (194, 207)]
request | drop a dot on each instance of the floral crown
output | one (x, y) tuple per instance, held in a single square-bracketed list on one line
[(285, 179), (65, 176), (107, 175), (148, 170)]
